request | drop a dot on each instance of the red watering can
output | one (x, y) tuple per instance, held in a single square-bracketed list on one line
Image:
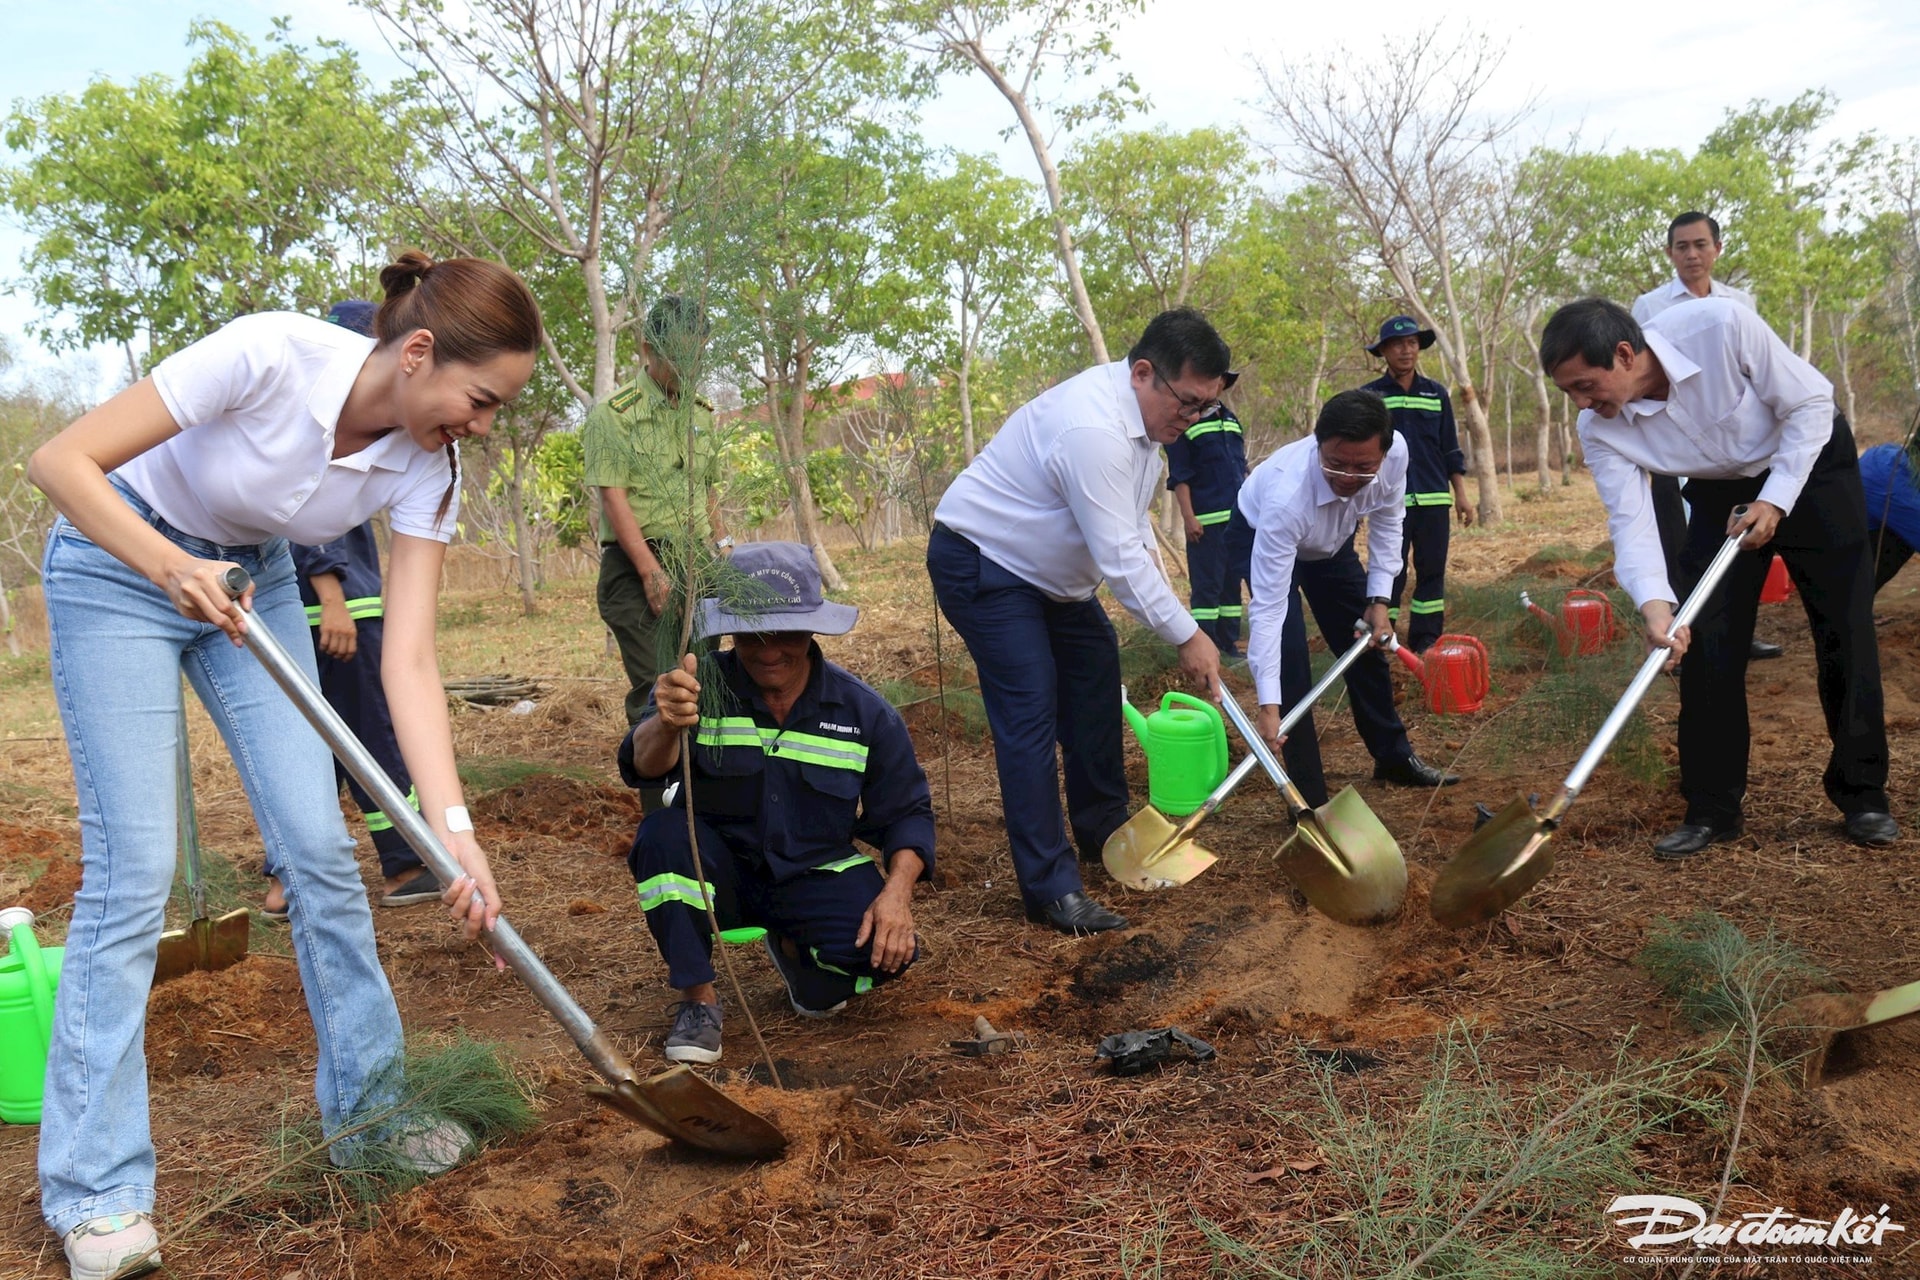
[(1455, 673), (1585, 625)]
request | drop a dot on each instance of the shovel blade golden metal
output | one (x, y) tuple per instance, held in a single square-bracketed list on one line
[(681, 1106), (1345, 862), (1146, 853), (1494, 868), (1830, 1018), (219, 943)]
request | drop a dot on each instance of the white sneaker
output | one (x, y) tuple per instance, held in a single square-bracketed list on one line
[(113, 1247), (428, 1146)]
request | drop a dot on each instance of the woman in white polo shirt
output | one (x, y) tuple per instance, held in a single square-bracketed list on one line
[(278, 427)]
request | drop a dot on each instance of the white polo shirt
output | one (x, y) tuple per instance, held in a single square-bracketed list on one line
[(1674, 292), (1059, 498), (1296, 516), (257, 403), (1739, 402)]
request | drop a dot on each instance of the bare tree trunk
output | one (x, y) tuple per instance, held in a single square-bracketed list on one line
[(1319, 372), (6, 621), (1842, 326), (967, 340), (522, 532), (1543, 436), (1056, 200), (790, 436), (1566, 448)]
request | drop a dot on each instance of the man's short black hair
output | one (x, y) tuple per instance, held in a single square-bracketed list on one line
[(1690, 217), (1592, 329), (1181, 342), (1358, 416), (674, 318)]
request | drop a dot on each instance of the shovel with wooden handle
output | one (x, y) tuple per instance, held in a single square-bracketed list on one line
[(204, 943), (676, 1103), (1340, 856), (1150, 852), (1509, 855)]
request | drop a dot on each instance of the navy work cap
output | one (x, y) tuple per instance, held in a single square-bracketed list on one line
[(784, 596)]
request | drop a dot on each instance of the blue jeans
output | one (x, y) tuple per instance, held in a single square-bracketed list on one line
[(1049, 673), (118, 649)]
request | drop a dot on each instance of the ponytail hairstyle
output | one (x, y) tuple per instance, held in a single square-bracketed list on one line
[(475, 310)]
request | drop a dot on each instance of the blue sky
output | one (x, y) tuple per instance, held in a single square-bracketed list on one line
[(1662, 82)]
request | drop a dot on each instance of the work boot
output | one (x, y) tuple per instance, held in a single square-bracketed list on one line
[(811, 990), (1690, 838), (696, 1033), (1076, 913), (120, 1244)]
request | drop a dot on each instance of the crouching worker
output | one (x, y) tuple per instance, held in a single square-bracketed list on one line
[(793, 758)]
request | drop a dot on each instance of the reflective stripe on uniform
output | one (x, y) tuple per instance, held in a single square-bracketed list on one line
[(358, 609), (808, 748), (1230, 611), (1206, 615), (1209, 427), (1214, 517), (1442, 499), (378, 821), (1427, 606), (1428, 404), (846, 864), (657, 891)]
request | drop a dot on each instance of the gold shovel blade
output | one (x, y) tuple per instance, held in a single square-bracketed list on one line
[(1143, 854), (219, 943), (1817, 1024), (1345, 862), (1494, 868), (680, 1105)]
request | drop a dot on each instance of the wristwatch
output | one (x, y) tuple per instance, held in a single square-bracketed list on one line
[(1380, 600)]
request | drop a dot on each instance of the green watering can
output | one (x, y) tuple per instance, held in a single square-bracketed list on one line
[(1186, 746), (29, 973)]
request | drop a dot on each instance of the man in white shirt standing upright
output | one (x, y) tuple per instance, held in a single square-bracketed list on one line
[(1693, 246), (1708, 391), (1055, 504), (1305, 503)]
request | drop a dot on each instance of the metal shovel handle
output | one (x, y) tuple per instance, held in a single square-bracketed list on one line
[(1247, 762), (1296, 803), (504, 940), (1643, 679)]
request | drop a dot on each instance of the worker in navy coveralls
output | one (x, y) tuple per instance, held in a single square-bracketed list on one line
[(1205, 468), (1436, 475), (794, 761), (340, 585), (1893, 509)]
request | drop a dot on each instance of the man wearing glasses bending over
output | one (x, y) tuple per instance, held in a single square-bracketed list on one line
[(1053, 506), (1305, 503)]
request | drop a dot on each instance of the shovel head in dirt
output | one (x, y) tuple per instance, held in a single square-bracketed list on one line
[(676, 1104), (204, 943), (1148, 853), (1495, 867), (1345, 862), (1829, 1021), (683, 1107)]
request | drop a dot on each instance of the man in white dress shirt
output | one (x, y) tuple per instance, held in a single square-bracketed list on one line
[(1708, 391), (1305, 503), (1054, 505), (1693, 246)]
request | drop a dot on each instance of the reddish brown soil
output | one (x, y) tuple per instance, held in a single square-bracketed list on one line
[(910, 1160)]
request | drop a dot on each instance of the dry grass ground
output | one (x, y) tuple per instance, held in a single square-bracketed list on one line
[(909, 1160)]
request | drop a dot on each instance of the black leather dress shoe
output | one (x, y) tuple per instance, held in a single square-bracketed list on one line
[(1872, 829), (1412, 772), (1690, 838), (1076, 913), (1760, 650)]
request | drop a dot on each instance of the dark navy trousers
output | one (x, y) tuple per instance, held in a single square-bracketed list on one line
[(1049, 676), (1216, 566), (1336, 591), (820, 911), (353, 689), (1427, 531)]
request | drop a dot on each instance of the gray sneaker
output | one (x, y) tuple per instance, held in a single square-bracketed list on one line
[(696, 1033)]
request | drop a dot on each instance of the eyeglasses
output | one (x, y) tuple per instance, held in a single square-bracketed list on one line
[(1362, 477), (1191, 407)]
